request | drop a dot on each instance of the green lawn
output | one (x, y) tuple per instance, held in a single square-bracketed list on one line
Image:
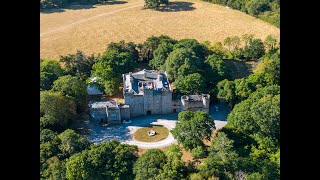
[(142, 134)]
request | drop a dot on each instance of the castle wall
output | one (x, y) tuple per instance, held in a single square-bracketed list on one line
[(114, 115), (125, 113), (136, 103), (157, 101), (166, 104)]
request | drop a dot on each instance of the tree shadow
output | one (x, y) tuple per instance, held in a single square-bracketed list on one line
[(76, 6), (177, 6)]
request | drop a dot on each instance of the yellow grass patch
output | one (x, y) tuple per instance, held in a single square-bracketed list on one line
[(92, 29), (142, 134)]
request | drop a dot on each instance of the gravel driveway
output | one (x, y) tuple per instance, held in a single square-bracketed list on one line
[(124, 132)]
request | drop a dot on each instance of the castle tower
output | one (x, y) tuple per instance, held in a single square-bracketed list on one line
[(184, 103), (206, 102)]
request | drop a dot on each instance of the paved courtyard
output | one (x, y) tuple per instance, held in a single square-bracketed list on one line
[(124, 132)]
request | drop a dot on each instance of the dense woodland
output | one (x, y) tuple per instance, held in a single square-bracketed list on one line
[(267, 10), (247, 148)]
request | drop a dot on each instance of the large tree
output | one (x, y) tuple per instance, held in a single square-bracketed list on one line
[(233, 45), (148, 166), (181, 62), (192, 128), (226, 90), (199, 49), (160, 55), (72, 143), (56, 110), (152, 43), (259, 116), (50, 70), (254, 49), (222, 160), (72, 86), (109, 68), (154, 4), (173, 169), (122, 46), (191, 84), (78, 64), (216, 69)]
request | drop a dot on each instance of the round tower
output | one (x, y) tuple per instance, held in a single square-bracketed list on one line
[(184, 103), (206, 100)]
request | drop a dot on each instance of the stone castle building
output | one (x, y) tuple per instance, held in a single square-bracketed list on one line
[(146, 92), (109, 112)]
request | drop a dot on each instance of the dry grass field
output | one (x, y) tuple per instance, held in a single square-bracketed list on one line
[(91, 28)]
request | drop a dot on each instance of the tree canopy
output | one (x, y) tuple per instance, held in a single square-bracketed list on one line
[(56, 110), (148, 166), (50, 70), (192, 128), (73, 87)]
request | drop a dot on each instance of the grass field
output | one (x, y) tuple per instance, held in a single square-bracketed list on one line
[(142, 134), (91, 28)]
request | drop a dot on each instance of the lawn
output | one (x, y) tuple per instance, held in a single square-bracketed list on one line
[(91, 28), (142, 134)]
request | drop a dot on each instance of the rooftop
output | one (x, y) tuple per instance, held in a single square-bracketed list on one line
[(145, 79), (103, 104)]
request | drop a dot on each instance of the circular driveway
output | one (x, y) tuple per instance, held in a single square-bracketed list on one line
[(124, 132)]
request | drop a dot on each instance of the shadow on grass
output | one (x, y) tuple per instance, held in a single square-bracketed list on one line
[(177, 6), (75, 6)]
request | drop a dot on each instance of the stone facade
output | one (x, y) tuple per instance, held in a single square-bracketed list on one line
[(195, 102), (105, 112), (147, 92)]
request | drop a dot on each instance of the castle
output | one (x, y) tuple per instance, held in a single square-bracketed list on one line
[(146, 92)]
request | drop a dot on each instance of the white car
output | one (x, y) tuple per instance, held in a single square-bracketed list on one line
[(126, 121)]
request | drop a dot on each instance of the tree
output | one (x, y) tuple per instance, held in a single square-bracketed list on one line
[(47, 135), (109, 69), (56, 110), (242, 89), (108, 160), (222, 159), (270, 43), (199, 49), (259, 116), (78, 167), (226, 90), (78, 64), (47, 150), (122, 47), (233, 44), (152, 43), (174, 165), (192, 128), (56, 169), (160, 55), (154, 4), (149, 164), (191, 84), (184, 59), (216, 69), (254, 49), (72, 143), (46, 4), (72, 86), (50, 70), (255, 7)]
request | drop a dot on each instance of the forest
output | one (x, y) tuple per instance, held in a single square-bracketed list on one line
[(267, 10), (248, 147)]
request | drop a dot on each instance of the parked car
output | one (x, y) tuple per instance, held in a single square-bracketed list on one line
[(127, 121)]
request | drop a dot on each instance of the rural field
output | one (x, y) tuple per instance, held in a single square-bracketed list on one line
[(91, 28)]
